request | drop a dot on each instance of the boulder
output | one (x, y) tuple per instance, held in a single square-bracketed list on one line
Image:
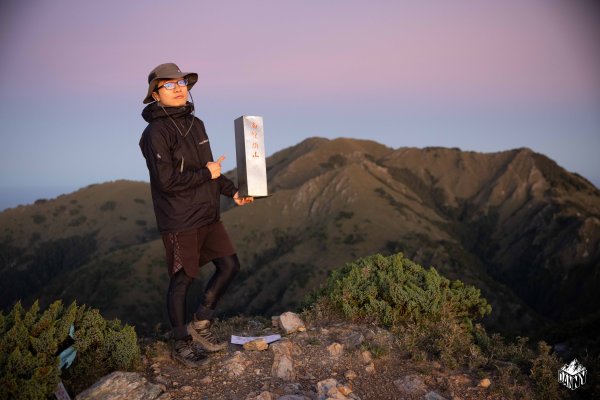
[(352, 340), (411, 385), (236, 364), (124, 386), (290, 322), (263, 396), (433, 396), (283, 366), (335, 350), (256, 344), (328, 390)]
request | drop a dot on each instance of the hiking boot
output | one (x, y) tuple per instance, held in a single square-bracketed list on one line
[(201, 334), (185, 353)]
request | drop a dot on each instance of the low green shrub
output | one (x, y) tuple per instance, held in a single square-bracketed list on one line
[(446, 340), (30, 342), (394, 291), (515, 360), (375, 349), (433, 317), (544, 370)]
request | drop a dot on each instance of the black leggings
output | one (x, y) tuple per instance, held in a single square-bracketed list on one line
[(225, 270)]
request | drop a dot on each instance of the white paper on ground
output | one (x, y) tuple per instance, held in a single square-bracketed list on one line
[(246, 339)]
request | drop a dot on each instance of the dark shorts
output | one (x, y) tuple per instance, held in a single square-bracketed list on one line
[(192, 249)]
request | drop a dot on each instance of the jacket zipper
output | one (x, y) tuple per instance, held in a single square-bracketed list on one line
[(210, 183)]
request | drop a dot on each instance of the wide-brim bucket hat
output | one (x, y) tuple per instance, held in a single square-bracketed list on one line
[(167, 71)]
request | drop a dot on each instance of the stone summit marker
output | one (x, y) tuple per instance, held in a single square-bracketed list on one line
[(250, 156)]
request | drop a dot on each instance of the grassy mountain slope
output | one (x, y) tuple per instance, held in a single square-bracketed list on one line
[(513, 223), (40, 243), (497, 221)]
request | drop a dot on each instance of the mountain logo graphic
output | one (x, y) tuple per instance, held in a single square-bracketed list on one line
[(572, 375)]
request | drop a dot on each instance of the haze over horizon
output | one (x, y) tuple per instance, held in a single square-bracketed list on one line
[(475, 75)]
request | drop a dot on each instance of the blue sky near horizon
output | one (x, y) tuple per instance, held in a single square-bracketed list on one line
[(478, 75)]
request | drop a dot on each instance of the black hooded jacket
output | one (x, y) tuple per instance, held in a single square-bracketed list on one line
[(184, 195)]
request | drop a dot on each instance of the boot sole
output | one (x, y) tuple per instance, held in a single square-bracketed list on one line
[(189, 363), (206, 345)]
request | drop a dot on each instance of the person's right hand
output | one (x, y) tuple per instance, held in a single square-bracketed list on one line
[(215, 167)]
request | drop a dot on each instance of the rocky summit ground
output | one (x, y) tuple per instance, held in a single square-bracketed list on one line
[(321, 361)]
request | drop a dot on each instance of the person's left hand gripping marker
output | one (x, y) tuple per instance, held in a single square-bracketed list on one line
[(240, 201), (215, 171)]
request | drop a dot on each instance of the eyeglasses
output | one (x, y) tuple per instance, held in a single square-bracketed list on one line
[(171, 85)]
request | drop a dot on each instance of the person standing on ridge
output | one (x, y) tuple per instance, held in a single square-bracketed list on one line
[(186, 185)]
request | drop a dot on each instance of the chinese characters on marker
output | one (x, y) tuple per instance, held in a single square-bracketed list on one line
[(254, 142)]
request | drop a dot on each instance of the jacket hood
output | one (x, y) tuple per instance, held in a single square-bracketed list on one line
[(154, 111)]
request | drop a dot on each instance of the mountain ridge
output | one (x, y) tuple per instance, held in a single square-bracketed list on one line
[(496, 220)]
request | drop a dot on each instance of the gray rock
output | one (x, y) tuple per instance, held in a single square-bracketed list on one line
[(309, 394), (161, 379), (263, 396), (434, 396), (123, 386), (236, 364), (290, 322), (352, 340), (411, 385), (283, 366), (292, 388), (335, 350), (328, 390)]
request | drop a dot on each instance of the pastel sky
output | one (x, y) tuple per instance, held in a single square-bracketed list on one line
[(475, 74)]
